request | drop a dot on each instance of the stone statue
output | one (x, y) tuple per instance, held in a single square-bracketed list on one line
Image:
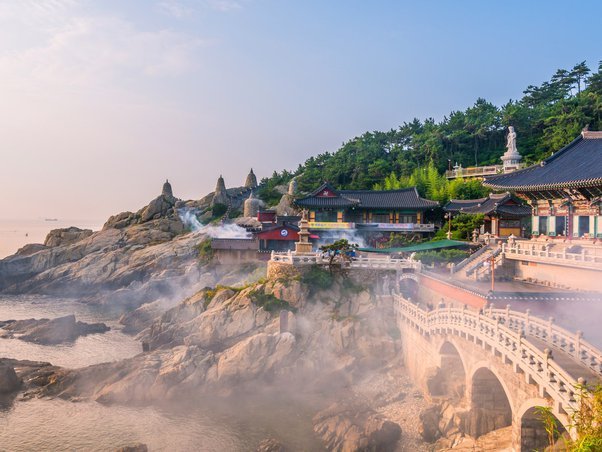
[(511, 158), (511, 141)]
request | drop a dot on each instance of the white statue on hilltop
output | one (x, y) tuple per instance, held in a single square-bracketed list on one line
[(511, 141), (511, 157)]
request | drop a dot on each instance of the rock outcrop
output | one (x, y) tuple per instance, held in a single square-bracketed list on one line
[(51, 331), (9, 381), (224, 340), (352, 428), (66, 236)]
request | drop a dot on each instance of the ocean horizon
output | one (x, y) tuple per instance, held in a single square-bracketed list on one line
[(15, 234)]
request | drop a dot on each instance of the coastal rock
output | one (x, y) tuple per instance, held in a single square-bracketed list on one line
[(270, 445), (30, 249), (138, 447), (348, 428), (142, 317), (66, 236), (51, 331), (9, 381)]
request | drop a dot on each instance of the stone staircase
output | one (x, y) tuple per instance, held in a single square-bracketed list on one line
[(479, 265)]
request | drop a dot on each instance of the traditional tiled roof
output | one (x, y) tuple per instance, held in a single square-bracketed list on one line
[(579, 164), (406, 198), (494, 203), (455, 205)]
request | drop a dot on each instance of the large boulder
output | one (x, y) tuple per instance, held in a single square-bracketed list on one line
[(348, 428), (9, 381), (66, 236), (51, 331)]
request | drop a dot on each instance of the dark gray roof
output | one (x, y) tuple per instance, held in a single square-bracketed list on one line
[(406, 198), (579, 164), (502, 203), (455, 205)]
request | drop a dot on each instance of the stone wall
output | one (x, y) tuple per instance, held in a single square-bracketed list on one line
[(557, 276), (228, 257), (433, 292), (280, 270)]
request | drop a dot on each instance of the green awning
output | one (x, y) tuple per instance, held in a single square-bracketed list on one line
[(426, 246)]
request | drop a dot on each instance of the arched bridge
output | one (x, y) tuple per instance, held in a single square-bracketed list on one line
[(498, 365)]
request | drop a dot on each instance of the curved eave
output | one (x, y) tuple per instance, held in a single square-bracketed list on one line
[(540, 187)]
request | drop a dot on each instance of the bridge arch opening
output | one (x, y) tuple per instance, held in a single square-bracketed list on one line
[(450, 380), (408, 285), (539, 430), (490, 406)]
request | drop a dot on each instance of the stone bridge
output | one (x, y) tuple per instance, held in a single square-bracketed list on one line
[(497, 366)]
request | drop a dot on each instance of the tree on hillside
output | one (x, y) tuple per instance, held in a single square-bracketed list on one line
[(547, 117), (580, 72), (339, 253)]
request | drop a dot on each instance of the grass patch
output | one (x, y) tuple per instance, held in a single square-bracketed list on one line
[(317, 278), (269, 302), (205, 251)]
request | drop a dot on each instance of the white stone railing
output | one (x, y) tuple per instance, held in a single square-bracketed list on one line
[(511, 344), (474, 171), (553, 335), (298, 259), (460, 265), (529, 251), (385, 263)]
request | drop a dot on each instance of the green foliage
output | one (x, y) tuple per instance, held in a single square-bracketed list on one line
[(550, 423), (432, 185), (441, 257), (269, 302), (267, 191), (205, 251), (588, 420), (338, 252), (316, 278), (546, 118), (464, 224), (218, 210)]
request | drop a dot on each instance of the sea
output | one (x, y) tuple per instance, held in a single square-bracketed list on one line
[(14, 234), (193, 425)]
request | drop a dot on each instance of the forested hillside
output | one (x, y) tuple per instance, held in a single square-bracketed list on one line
[(547, 117)]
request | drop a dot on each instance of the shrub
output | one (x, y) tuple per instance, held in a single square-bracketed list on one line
[(218, 210), (269, 302), (441, 257), (205, 251), (316, 278)]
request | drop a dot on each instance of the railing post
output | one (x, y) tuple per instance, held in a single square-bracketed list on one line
[(527, 321), (508, 316), (578, 337), (550, 333)]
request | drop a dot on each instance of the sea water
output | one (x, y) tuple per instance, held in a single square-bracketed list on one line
[(194, 425), (16, 233)]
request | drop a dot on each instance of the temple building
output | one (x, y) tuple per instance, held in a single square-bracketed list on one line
[(367, 210), (564, 190), (504, 214)]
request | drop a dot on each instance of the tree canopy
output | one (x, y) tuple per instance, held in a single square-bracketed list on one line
[(546, 118)]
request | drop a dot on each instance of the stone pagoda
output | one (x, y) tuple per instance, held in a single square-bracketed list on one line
[(303, 246)]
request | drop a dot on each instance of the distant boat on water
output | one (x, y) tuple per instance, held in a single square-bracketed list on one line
[(51, 219)]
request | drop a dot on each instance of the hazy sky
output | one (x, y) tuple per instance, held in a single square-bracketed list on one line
[(100, 101)]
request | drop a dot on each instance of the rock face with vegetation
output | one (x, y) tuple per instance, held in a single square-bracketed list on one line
[(283, 333)]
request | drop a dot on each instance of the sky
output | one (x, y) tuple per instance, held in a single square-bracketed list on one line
[(101, 101)]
